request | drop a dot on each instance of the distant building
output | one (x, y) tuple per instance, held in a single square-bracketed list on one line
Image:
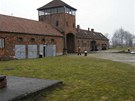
[(54, 34)]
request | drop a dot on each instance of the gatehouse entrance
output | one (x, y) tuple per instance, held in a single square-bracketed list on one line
[(93, 46), (70, 40)]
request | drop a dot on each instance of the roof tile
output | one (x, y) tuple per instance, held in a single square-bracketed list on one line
[(55, 3), (90, 35), (20, 25)]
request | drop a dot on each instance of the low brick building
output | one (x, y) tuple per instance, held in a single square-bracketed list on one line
[(22, 38), (54, 34), (90, 40)]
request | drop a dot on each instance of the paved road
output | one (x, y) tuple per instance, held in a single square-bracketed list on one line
[(111, 55)]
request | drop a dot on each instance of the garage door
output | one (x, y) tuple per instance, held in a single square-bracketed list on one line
[(20, 51), (51, 50), (32, 51)]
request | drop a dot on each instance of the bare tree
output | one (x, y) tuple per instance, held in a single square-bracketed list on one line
[(122, 38), (128, 39)]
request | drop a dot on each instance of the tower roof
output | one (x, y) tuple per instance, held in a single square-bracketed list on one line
[(54, 4)]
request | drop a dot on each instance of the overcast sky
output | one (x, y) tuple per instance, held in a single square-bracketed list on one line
[(104, 16)]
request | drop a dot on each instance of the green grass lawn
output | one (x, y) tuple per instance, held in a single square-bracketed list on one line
[(124, 48), (84, 78)]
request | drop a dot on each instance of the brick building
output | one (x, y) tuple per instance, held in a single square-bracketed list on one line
[(54, 34)]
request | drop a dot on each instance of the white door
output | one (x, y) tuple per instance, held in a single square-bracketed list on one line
[(32, 51), (51, 50), (20, 51), (42, 50)]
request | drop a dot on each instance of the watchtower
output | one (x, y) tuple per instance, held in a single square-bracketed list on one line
[(63, 17)]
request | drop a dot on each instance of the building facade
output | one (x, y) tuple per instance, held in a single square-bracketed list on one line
[(63, 17), (22, 38), (54, 34)]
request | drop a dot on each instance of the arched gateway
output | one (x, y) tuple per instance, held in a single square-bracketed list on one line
[(93, 46), (70, 39)]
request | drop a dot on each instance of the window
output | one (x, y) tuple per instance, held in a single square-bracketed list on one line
[(20, 39), (43, 40), (2, 43), (57, 23), (54, 10), (32, 39), (61, 10), (69, 11), (47, 12), (73, 25), (67, 24), (52, 41), (41, 13)]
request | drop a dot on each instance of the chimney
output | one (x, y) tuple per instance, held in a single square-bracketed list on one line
[(92, 30), (88, 29), (78, 27)]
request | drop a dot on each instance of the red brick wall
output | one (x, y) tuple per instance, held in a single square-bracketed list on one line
[(51, 19), (66, 21), (85, 44), (12, 39)]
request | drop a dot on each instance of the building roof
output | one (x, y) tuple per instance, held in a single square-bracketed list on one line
[(90, 35), (21, 25), (54, 4)]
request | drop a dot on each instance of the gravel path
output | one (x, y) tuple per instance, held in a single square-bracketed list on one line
[(111, 55)]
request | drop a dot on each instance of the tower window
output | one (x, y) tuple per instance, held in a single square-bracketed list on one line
[(57, 23), (61, 9), (67, 24), (54, 10), (73, 25), (41, 13)]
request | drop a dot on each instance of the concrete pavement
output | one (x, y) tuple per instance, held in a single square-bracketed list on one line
[(18, 87), (114, 56)]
